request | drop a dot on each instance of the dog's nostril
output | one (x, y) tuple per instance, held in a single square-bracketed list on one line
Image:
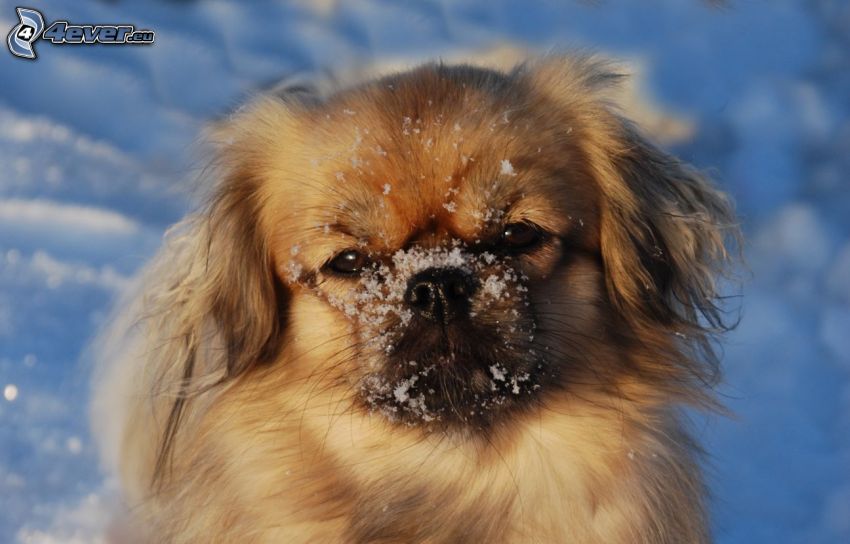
[(440, 294), (420, 295), (456, 288)]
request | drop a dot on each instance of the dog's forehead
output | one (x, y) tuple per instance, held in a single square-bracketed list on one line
[(448, 163)]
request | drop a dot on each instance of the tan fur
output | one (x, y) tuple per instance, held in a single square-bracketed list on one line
[(234, 392)]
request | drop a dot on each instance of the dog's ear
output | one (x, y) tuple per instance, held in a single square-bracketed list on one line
[(215, 308), (238, 292), (245, 301), (664, 236), (664, 230)]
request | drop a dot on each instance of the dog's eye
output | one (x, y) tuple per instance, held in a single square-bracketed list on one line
[(348, 262), (521, 235)]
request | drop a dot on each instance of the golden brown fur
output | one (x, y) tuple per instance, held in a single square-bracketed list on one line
[(260, 396)]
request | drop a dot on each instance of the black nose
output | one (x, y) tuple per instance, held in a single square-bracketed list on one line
[(440, 294)]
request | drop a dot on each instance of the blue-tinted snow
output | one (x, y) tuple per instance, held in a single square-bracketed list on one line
[(96, 147)]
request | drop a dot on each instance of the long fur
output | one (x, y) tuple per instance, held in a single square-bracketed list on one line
[(224, 396)]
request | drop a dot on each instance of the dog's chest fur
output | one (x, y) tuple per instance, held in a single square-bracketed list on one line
[(583, 477)]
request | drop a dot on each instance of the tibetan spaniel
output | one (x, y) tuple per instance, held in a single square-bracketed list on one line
[(446, 305)]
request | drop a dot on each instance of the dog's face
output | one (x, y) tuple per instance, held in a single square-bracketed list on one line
[(452, 240), (452, 245)]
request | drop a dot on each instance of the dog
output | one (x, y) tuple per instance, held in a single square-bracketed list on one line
[(451, 304)]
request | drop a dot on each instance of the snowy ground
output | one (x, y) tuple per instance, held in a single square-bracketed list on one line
[(96, 147)]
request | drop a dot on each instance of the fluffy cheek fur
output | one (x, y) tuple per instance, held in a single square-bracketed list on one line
[(572, 317)]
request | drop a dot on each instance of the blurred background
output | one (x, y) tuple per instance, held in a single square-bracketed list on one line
[(98, 148)]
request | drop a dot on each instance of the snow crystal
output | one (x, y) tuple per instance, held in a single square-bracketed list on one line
[(387, 188), (74, 445), (489, 215), (293, 271), (496, 286), (507, 169), (400, 390), (10, 392)]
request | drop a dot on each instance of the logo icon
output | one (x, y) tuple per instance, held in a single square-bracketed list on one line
[(22, 37)]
